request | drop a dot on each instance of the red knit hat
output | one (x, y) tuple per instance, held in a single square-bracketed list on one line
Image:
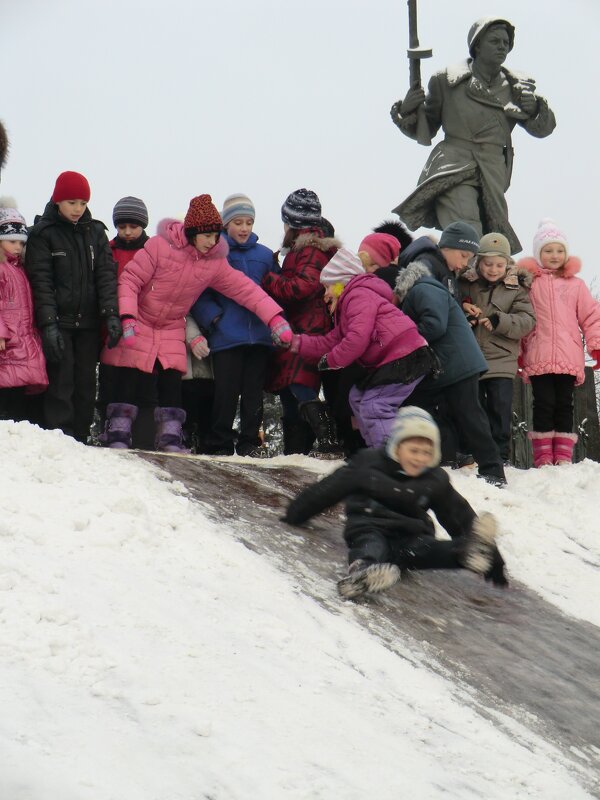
[(382, 247), (202, 216), (71, 186)]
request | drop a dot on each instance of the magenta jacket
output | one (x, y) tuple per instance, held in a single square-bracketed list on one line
[(159, 286), (369, 328), (22, 362), (564, 308)]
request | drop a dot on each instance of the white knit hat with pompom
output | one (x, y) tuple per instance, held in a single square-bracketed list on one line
[(548, 232)]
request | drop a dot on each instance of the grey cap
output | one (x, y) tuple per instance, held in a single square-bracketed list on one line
[(460, 236), (495, 244), (132, 210)]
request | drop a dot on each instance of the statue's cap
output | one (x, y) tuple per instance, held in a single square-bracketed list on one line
[(479, 27)]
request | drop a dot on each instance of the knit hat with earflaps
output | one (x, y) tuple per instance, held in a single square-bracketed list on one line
[(13, 227), (548, 232), (344, 266), (413, 422)]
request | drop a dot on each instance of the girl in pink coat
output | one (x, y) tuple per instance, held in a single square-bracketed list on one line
[(371, 331), (156, 290), (552, 356), (22, 364)]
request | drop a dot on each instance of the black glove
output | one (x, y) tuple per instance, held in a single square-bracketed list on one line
[(52, 342), (496, 573), (115, 331)]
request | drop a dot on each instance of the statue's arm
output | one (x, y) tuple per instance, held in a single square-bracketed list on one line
[(433, 111), (543, 123)]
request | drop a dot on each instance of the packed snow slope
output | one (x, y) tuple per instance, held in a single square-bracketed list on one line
[(147, 654)]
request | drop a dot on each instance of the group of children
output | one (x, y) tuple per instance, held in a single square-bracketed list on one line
[(444, 327)]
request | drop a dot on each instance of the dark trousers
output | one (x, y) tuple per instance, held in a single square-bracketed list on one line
[(408, 552), (553, 402), (19, 406), (162, 384), (461, 400), (197, 398), (71, 394), (336, 388), (240, 374), (495, 396)]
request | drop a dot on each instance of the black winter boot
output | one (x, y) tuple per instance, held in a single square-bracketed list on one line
[(297, 436), (318, 416)]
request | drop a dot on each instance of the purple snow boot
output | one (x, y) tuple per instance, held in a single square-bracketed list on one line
[(169, 434), (117, 428)]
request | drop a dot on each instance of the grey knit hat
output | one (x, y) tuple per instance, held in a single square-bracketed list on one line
[(302, 209), (413, 422), (132, 210), (460, 236)]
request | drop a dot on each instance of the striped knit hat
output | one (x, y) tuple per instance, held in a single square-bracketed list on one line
[(344, 266), (302, 209), (12, 223), (202, 216), (237, 205), (413, 422), (131, 210)]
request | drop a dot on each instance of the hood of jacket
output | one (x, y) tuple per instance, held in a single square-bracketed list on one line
[(515, 276), (173, 232), (421, 245), (572, 267), (409, 276), (316, 239)]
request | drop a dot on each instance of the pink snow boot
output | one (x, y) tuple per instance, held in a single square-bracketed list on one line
[(562, 445), (169, 434), (542, 448), (117, 429)]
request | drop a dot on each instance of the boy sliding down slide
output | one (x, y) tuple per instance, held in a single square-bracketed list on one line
[(388, 492)]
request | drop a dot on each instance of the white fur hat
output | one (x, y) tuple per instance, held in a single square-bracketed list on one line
[(341, 268), (548, 232), (413, 422)]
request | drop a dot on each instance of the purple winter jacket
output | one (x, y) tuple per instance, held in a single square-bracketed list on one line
[(369, 328)]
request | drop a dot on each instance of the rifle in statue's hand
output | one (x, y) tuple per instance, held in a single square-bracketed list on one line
[(415, 54)]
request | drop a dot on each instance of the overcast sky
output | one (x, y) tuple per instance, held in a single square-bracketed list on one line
[(169, 100)]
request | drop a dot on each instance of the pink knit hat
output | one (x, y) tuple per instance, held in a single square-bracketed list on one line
[(548, 232), (344, 266), (382, 248)]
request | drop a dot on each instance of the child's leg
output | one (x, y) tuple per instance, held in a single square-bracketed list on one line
[(375, 409), (85, 349), (497, 394), (169, 387), (254, 373), (564, 386), (544, 402), (58, 397), (425, 552), (228, 368), (368, 546)]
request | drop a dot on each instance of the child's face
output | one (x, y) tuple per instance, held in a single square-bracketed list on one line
[(331, 297), (553, 256), (12, 247), (203, 242), (129, 232), (72, 209), (368, 264), (457, 259), (240, 229), (493, 268), (415, 455)]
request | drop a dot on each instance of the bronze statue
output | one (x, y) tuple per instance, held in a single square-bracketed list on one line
[(477, 103)]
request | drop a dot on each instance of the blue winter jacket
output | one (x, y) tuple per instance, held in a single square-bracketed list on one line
[(226, 323), (441, 321)]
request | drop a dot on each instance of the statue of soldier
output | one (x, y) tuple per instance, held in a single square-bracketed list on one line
[(477, 103)]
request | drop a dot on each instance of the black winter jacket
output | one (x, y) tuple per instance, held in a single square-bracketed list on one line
[(379, 495), (71, 270)]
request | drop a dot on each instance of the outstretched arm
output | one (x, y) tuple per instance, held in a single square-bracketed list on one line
[(321, 495)]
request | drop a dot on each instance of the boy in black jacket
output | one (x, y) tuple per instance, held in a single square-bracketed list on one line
[(388, 493), (74, 282)]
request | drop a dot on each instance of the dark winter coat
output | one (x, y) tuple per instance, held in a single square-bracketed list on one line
[(227, 323), (380, 496), (71, 270), (299, 290), (442, 323), (507, 305)]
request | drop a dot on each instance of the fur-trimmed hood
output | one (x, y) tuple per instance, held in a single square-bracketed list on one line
[(515, 276), (173, 231), (572, 267), (312, 238), (409, 276)]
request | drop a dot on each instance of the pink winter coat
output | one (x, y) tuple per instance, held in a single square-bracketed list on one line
[(22, 362), (159, 286), (369, 328), (564, 308)]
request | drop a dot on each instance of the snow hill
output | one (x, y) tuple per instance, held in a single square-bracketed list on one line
[(146, 654)]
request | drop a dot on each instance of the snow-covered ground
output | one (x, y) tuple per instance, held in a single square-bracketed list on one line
[(145, 654)]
